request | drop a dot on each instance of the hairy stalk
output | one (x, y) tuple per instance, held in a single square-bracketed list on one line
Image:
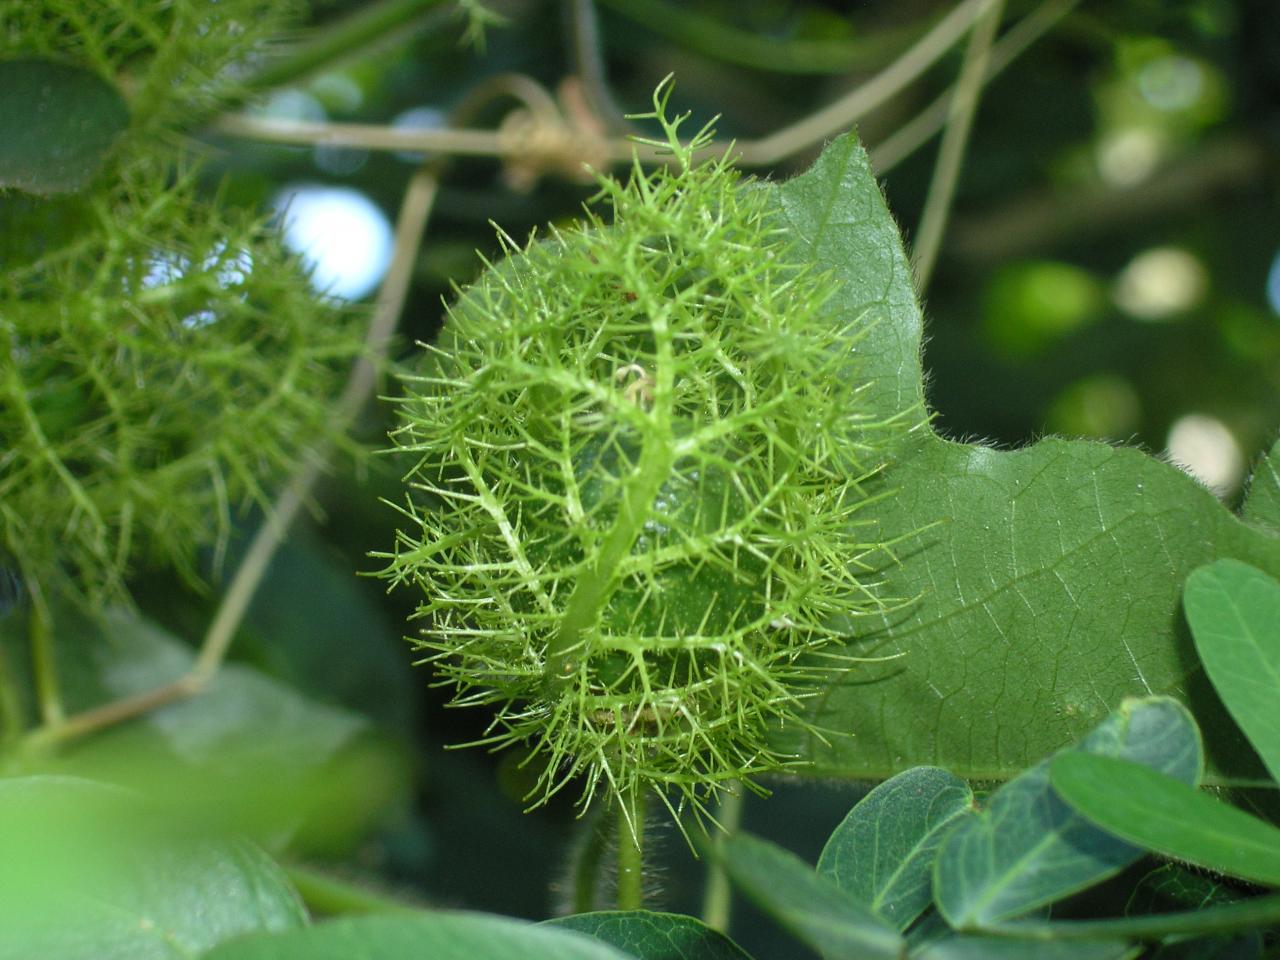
[(587, 861), (631, 811), (410, 224), (717, 897), (946, 173)]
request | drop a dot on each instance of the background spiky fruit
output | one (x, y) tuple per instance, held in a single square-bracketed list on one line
[(169, 362), (163, 359), (640, 455)]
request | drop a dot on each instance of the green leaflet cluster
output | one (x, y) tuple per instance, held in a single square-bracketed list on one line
[(640, 451)]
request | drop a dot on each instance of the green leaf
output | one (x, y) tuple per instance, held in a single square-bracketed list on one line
[(1027, 848), (809, 905), (88, 871), (1047, 579), (1007, 948), (440, 936), (1262, 502), (1234, 612), (654, 936), (57, 123), (1165, 815), (883, 851)]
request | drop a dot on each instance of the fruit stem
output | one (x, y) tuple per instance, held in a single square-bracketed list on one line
[(631, 850), (717, 896)]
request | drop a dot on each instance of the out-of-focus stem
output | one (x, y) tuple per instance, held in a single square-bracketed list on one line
[(946, 172)]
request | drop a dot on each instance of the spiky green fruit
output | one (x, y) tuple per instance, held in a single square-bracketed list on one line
[(640, 451)]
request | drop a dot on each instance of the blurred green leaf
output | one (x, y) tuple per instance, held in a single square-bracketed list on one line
[(809, 905), (883, 851), (1234, 612), (57, 123), (1169, 817), (1047, 580), (440, 936), (654, 936), (248, 754), (90, 872), (1026, 848), (1101, 407)]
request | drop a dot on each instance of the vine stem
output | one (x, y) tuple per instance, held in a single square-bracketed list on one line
[(415, 210), (717, 898), (631, 810), (946, 172), (10, 704), (917, 131), (832, 119)]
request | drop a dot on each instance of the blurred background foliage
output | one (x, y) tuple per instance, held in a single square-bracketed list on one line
[(1111, 270)]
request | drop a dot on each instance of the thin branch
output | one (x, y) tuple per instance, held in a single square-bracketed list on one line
[(109, 714), (841, 115), (832, 119), (414, 212), (916, 132), (946, 173), (587, 48)]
